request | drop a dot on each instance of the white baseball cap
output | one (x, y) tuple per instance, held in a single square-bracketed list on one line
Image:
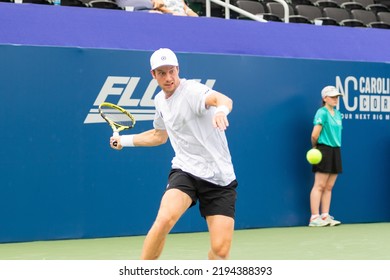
[(330, 91), (163, 57)]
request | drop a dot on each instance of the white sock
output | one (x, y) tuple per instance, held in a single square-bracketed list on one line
[(314, 217)]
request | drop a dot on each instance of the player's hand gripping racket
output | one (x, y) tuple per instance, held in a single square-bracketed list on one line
[(118, 118)]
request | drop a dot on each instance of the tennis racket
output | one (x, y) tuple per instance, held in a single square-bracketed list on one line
[(118, 118)]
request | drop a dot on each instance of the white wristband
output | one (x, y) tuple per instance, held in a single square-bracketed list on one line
[(223, 108), (127, 140)]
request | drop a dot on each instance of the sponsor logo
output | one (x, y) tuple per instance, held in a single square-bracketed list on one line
[(364, 98), (123, 90)]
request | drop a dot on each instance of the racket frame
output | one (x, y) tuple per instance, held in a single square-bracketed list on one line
[(116, 127)]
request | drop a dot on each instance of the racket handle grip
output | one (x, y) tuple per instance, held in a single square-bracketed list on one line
[(116, 133)]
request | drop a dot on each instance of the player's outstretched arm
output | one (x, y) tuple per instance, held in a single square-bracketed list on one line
[(149, 138)]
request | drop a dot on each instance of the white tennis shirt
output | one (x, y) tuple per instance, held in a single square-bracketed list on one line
[(200, 149)]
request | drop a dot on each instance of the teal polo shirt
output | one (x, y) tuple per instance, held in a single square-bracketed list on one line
[(331, 127)]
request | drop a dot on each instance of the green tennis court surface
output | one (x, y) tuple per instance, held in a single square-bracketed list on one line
[(346, 242)]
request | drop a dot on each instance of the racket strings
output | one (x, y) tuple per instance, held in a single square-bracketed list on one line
[(118, 117)]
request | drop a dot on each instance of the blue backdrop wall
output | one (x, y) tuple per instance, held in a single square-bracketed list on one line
[(60, 179)]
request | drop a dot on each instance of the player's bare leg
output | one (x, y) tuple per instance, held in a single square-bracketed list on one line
[(173, 205), (221, 230)]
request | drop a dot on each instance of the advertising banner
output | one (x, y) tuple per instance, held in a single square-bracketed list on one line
[(60, 178)]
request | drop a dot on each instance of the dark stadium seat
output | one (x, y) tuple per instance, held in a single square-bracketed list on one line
[(365, 16), (136, 5), (352, 6), (255, 8), (73, 3), (314, 13), (302, 2), (352, 23), (342, 17), (326, 3), (104, 4), (372, 6), (383, 2), (382, 25), (278, 9), (384, 17), (199, 6), (42, 2), (300, 19), (252, 7), (383, 21), (378, 8), (340, 2), (311, 12)]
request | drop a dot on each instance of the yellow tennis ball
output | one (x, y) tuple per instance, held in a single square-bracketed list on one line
[(314, 156)]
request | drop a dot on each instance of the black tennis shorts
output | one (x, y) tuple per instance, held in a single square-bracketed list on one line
[(331, 160), (213, 199)]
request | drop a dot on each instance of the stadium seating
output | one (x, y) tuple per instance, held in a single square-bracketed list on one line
[(326, 3), (314, 14), (367, 17), (257, 9), (384, 17), (383, 2), (372, 6), (73, 3), (382, 21), (104, 4), (278, 9), (301, 2), (136, 5), (352, 6), (353, 13), (342, 17), (340, 2), (199, 6), (299, 19), (311, 12), (41, 2)]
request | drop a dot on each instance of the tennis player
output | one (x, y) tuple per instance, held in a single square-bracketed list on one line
[(194, 117), (326, 136)]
